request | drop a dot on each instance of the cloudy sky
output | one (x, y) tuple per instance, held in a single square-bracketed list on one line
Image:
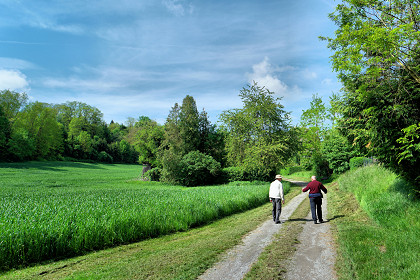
[(130, 58)]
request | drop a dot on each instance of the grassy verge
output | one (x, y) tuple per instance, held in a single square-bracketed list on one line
[(184, 255), (300, 176), (376, 226), (272, 262)]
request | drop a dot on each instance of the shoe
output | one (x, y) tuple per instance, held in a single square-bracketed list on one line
[(315, 222), (278, 222), (321, 221)]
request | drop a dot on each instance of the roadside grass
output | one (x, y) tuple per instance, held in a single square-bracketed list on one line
[(273, 261), (300, 176), (182, 255), (55, 210), (376, 224)]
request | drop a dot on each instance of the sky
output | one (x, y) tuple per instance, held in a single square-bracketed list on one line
[(132, 58)]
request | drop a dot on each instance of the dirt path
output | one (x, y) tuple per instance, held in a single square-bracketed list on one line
[(314, 258), (239, 259)]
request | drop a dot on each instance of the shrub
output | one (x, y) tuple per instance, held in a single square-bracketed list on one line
[(198, 169), (153, 174), (105, 157), (359, 162), (233, 173)]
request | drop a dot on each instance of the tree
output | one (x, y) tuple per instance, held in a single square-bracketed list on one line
[(258, 136), (377, 55), (12, 102), (148, 138), (39, 120), (374, 38), (313, 133), (4, 135), (189, 125)]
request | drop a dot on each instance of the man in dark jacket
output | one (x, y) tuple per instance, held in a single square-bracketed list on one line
[(315, 198)]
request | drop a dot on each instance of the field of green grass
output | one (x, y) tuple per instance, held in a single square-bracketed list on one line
[(53, 210)]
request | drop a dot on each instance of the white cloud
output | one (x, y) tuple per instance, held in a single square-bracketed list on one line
[(178, 7), (12, 80), (264, 74), (13, 63), (327, 81)]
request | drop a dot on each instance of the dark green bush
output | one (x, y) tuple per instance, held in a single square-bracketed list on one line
[(198, 169), (153, 174), (105, 157)]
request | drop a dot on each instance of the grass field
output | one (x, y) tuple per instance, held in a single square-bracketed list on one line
[(51, 210)]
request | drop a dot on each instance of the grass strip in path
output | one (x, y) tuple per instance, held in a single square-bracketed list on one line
[(273, 261), (184, 255)]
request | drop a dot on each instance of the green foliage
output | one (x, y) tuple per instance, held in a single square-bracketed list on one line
[(337, 151), (291, 169), (258, 136), (320, 166), (60, 209), (357, 162), (148, 138), (105, 157), (154, 174), (198, 169), (376, 55), (233, 174), (4, 134)]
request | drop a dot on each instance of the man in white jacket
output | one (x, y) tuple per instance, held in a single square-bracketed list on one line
[(276, 197)]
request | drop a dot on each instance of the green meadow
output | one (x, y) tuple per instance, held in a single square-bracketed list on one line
[(55, 210)]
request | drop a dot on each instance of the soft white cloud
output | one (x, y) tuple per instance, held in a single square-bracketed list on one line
[(13, 63), (12, 80), (178, 7), (327, 81), (264, 74)]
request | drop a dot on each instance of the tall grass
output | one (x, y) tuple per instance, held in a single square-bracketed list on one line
[(58, 210), (389, 248)]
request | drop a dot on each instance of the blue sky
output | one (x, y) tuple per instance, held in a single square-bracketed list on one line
[(130, 58)]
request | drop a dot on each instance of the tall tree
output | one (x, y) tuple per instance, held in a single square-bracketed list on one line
[(4, 134), (258, 137), (148, 138), (377, 56), (12, 102), (189, 125), (39, 120)]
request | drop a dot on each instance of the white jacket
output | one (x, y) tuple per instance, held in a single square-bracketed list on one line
[(276, 190)]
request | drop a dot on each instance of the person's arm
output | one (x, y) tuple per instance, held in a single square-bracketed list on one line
[(324, 189), (305, 189)]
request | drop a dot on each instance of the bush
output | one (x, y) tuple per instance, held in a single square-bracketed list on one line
[(198, 169), (233, 173), (153, 174), (357, 162), (105, 157)]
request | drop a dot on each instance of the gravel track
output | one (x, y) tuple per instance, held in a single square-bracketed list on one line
[(314, 258)]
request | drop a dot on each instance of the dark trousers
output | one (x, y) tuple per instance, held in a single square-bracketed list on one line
[(316, 208), (276, 209)]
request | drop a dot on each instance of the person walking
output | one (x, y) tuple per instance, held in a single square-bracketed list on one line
[(276, 196), (315, 198)]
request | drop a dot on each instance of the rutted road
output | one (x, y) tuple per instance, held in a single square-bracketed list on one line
[(314, 258)]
